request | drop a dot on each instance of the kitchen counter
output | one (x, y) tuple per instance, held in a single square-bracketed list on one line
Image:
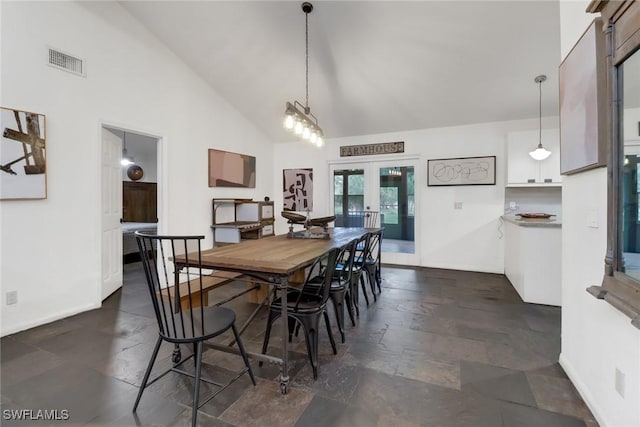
[(552, 222), (532, 258)]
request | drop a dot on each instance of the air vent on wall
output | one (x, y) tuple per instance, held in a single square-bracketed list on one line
[(66, 62)]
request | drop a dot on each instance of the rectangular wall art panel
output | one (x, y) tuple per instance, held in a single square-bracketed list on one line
[(297, 189), (583, 109), (23, 171), (231, 169), (462, 171)]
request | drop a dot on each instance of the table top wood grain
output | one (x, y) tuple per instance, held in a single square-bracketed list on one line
[(276, 255)]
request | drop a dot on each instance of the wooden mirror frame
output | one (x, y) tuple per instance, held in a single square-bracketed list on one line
[(622, 34)]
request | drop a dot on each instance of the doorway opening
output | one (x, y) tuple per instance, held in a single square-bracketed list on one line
[(129, 199)]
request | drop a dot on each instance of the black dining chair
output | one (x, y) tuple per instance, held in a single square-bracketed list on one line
[(358, 271), (192, 324), (340, 292), (370, 219), (306, 305), (370, 261)]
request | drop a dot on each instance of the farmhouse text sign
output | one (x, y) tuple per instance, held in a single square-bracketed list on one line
[(369, 149)]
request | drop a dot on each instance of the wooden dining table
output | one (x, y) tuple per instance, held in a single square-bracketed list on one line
[(275, 261)]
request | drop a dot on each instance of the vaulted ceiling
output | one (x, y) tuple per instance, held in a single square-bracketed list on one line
[(374, 66)]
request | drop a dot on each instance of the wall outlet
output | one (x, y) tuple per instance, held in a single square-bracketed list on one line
[(620, 382), (12, 297), (512, 205), (457, 205)]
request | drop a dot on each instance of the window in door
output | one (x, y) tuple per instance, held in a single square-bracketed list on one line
[(348, 197), (397, 208)]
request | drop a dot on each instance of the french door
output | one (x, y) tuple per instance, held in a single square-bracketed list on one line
[(379, 194)]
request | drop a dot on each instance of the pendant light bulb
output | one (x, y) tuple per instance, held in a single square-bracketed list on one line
[(540, 153), (288, 122)]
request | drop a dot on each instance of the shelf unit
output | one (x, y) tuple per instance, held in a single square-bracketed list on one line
[(250, 220)]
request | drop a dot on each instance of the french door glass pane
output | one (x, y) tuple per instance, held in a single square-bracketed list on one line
[(348, 196), (397, 208), (338, 183), (389, 205)]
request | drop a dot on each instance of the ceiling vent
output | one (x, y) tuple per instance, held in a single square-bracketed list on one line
[(66, 62)]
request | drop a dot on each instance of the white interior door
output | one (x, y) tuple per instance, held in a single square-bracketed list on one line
[(386, 187), (111, 213)]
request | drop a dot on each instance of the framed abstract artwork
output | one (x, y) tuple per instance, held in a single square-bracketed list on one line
[(462, 171), (228, 169), (23, 165), (297, 187), (583, 110)]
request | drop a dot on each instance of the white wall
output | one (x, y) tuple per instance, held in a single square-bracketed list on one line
[(596, 338), (534, 199), (51, 248), (466, 239)]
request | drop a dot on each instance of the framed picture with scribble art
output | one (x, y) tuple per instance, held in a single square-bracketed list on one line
[(461, 171), (23, 166), (297, 188)]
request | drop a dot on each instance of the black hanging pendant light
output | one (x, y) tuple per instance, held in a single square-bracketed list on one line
[(298, 118), (540, 153)]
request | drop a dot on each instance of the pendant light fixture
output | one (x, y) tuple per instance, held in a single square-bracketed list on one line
[(298, 118), (540, 153), (126, 159)]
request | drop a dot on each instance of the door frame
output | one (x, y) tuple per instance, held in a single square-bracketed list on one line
[(372, 194), (160, 178)]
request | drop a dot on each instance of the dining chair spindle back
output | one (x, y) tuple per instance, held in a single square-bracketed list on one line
[(180, 325)]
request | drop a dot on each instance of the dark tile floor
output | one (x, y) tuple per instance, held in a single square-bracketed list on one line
[(438, 348)]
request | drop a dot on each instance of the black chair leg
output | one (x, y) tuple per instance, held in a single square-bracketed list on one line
[(364, 289), (379, 278), (243, 353), (147, 373), (310, 326), (273, 315), (349, 300), (196, 386), (293, 326), (355, 294), (372, 283), (338, 307), (329, 332)]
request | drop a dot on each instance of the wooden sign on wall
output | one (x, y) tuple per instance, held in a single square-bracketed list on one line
[(370, 149)]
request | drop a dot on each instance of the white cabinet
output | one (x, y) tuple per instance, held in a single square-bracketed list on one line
[(522, 170), (532, 262)]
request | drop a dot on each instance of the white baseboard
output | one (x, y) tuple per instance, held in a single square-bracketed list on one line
[(582, 390), (474, 268), (32, 323)]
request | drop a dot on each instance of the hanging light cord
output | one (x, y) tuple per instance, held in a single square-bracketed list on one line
[(306, 25), (540, 115)]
